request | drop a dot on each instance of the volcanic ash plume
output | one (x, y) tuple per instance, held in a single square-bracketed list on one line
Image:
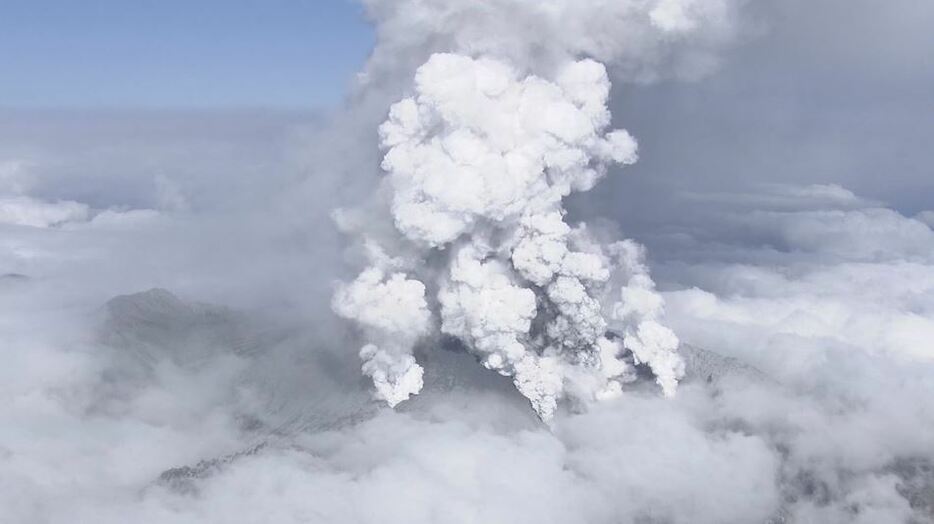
[(478, 162)]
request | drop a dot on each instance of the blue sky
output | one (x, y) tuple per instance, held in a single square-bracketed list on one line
[(178, 53)]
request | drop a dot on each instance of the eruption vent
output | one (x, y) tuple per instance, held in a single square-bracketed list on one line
[(478, 162)]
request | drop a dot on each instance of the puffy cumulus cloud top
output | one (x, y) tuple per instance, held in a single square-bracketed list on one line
[(477, 144)]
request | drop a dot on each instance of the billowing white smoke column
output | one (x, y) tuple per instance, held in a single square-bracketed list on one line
[(478, 161), (467, 235)]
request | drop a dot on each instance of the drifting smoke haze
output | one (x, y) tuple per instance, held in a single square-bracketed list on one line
[(542, 267)]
